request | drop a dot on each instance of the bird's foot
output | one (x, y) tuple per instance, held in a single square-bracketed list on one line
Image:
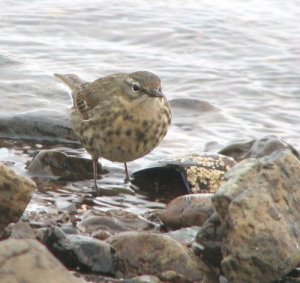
[(96, 192), (126, 180)]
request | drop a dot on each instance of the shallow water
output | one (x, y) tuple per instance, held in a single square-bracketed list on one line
[(243, 57)]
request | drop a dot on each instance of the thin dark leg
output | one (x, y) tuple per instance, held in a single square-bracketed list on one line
[(95, 163), (126, 173)]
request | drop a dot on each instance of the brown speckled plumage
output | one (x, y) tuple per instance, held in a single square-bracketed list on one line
[(120, 117)]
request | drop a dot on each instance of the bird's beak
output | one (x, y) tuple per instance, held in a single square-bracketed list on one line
[(155, 93)]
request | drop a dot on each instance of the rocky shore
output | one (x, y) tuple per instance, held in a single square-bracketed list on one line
[(234, 217)]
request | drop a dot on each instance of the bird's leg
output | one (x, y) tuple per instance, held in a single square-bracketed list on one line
[(95, 163), (126, 173)]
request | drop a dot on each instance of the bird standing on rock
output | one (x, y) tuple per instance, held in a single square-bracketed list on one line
[(120, 117)]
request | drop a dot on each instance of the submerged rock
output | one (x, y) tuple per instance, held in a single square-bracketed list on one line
[(257, 148), (80, 252), (58, 165), (259, 211), (15, 193), (187, 211), (29, 261), (141, 253), (113, 221), (192, 173), (39, 125)]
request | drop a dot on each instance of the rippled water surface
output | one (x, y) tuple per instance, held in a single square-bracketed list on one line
[(242, 57)]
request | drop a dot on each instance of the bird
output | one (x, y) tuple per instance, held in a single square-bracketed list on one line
[(119, 117)]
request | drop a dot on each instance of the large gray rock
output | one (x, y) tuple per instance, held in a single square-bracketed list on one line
[(259, 209), (15, 194), (29, 261)]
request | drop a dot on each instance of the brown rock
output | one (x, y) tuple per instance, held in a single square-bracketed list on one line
[(141, 253), (260, 213), (188, 210), (15, 194), (29, 261)]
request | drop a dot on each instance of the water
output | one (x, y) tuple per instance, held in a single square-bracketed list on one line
[(241, 56)]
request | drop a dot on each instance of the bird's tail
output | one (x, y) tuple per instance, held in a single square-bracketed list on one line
[(72, 81)]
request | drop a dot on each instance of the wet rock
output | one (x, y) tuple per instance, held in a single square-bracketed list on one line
[(39, 125), (20, 230), (208, 241), (15, 194), (143, 279), (29, 261), (182, 105), (259, 210), (185, 236), (141, 253), (188, 210), (192, 173), (257, 148), (113, 221), (58, 165), (80, 252)]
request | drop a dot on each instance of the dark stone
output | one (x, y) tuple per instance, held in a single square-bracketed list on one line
[(191, 173), (80, 252)]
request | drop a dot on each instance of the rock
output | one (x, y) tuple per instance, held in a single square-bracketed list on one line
[(20, 230), (82, 253), (143, 279), (113, 221), (191, 173), (141, 253), (29, 261), (15, 194), (259, 210), (39, 126), (51, 164), (257, 148), (182, 106), (208, 241), (187, 211), (184, 236)]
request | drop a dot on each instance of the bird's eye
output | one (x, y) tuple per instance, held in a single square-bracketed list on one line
[(136, 87)]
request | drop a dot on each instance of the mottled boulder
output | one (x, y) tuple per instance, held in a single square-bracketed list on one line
[(53, 164), (257, 148), (79, 252), (15, 194), (188, 210), (259, 210), (141, 253), (29, 261)]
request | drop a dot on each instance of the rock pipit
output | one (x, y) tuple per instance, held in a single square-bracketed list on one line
[(120, 117)]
